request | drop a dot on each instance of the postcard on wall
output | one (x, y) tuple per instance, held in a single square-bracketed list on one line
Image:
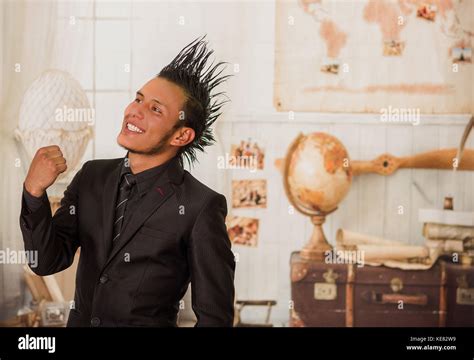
[(462, 54), (243, 230), (426, 11), (393, 48), (247, 154), (249, 193)]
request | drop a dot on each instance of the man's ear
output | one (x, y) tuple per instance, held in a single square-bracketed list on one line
[(183, 136)]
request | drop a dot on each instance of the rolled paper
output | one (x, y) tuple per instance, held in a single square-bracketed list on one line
[(378, 250), (446, 245), (346, 237), (453, 232), (393, 252)]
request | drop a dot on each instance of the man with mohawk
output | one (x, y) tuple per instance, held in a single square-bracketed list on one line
[(146, 227)]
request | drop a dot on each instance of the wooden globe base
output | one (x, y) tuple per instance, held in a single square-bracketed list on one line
[(318, 245)]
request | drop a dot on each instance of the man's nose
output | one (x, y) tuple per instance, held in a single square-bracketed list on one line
[(137, 111)]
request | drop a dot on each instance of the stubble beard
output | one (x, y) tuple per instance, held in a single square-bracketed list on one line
[(156, 149)]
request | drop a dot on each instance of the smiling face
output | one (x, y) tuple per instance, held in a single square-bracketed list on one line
[(151, 121)]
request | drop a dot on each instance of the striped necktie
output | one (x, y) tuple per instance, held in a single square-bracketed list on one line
[(128, 181)]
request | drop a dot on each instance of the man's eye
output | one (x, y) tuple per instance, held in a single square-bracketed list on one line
[(137, 100), (157, 110)]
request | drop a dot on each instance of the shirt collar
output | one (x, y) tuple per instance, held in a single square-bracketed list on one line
[(145, 179)]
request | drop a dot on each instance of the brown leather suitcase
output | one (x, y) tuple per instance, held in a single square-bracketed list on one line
[(394, 297), (348, 295), (319, 293), (460, 295)]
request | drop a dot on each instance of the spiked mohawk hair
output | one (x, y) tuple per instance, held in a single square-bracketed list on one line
[(201, 109)]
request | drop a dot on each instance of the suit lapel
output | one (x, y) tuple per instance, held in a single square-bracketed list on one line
[(151, 202), (110, 190), (159, 193)]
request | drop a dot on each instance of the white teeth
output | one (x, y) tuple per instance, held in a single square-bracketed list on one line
[(133, 128)]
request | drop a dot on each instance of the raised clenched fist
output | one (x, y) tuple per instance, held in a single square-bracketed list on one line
[(45, 168)]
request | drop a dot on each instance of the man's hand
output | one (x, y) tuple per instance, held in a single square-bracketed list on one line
[(45, 168)]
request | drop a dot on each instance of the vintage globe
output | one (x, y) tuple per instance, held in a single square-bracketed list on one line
[(319, 173), (317, 176)]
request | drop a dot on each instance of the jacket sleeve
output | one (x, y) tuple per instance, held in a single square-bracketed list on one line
[(212, 266), (54, 239)]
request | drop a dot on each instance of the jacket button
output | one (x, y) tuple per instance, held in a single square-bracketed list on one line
[(95, 321), (103, 279)]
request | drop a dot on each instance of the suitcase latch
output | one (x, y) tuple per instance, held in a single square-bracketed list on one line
[(464, 294), (396, 284), (326, 290)]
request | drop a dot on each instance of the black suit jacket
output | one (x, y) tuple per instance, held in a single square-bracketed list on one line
[(176, 235)]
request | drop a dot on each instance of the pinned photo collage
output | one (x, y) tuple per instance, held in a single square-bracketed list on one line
[(247, 193)]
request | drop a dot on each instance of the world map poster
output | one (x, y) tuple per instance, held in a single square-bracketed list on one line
[(365, 55)]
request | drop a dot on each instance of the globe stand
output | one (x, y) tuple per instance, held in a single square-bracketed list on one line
[(318, 245)]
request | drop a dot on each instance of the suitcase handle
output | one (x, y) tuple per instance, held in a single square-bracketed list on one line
[(381, 298)]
